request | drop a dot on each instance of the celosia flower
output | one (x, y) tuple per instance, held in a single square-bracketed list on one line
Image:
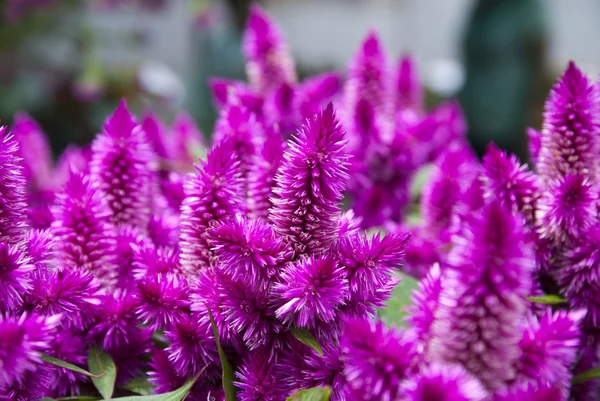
[(13, 190), (172, 188), (425, 304), (163, 229), (567, 210), (130, 358), (310, 182), (40, 247), (535, 143), (122, 167), (115, 323), (223, 91), (261, 176), (149, 260), (315, 92), (587, 360), (69, 347), (268, 62), (376, 360), (349, 224), (548, 349), (249, 251), (15, 280), (578, 275), (35, 151), (569, 144), (325, 370), (85, 238), (155, 135), (279, 109), (162, 375), (487, 279), (312, 289), (212, 194), (409, 92), (191, 345), (187, 141), (73, 158), (443, 383), (163, 298), (369, 264), (22, 341), (510, 182), (531, 392), (32, 386), (68, 292), (422, 252), (259, 379), (129, 238)]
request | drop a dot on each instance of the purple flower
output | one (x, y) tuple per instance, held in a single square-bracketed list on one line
[(73, 158), (369, 264), (535, 143), (223, 91), (409, 92), (311, 290), (587, 360), (13, 190), (155, 134), (71, 293), (84, 237), (422, 251), (530, 392), (326, 370), (191, 345), (22, 340), (443, 383), (214, 193), (259, 379), (69, 347), (567, 210), (15, 280), (40, 246), (279, 109), (443, 126), (129, 238), (33, 386), (187, 141), (315, 92), (163, 298), (510, 182), (121, 166), (376, 360), (549, 348), (268, 61), (261, 176), (569, 144), (149, 260), (488, 276), (115, 323), (172, 188), (163, 229), (425, 304), (249, 251), (578, 275), (35, 151), (310, 182)]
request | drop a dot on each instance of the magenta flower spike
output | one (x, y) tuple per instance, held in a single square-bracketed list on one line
[(73, 158), (258, 379), (567, 210), (261, 174), (22, 341), (310, 181), (15, 278), (534, 145), (569, 139), (506, 179), (163, 298), (122, 167), (35, 151), (187, 141), (408, 91), (425, 304), (163, 229), (268, 61), (86, 239), (314, 93), (311, 290), (223, 91), (150, 260), (40, 245), (443, 383), (531, 392), (13, 189), (376, 360), (549, 348), (213, 194), (369, 77), (249, 251), (155, 134), (482, 304), (69, 347)]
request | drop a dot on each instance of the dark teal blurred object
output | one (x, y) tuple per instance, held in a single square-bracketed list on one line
[(504, 59)]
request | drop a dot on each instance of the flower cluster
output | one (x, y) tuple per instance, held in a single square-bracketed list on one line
[(170, 269)]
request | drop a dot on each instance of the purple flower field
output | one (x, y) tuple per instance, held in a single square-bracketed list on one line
[(302, 255)]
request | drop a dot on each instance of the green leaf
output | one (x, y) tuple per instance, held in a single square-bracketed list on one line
[(175, 395), (228, 386), (306, 338), (67, 365), (395, 312), (312, 394), (547, 299), (139, 385), (99, 362), (586, 376)]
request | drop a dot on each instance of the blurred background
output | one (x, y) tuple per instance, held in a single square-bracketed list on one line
[(67, 63)]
